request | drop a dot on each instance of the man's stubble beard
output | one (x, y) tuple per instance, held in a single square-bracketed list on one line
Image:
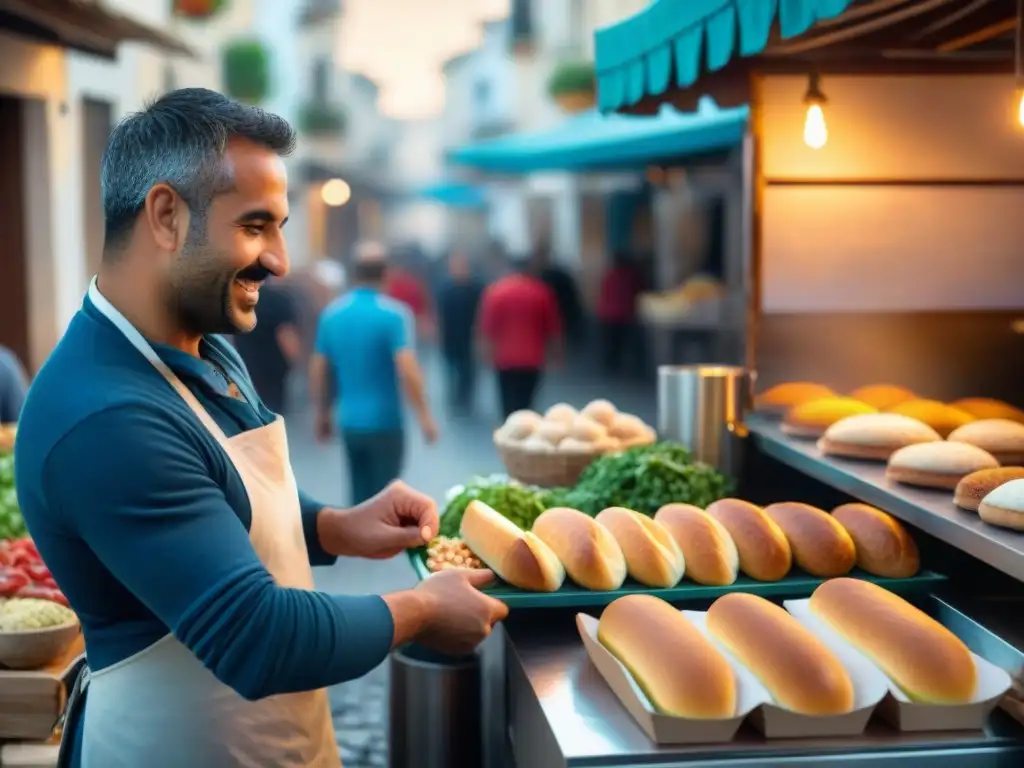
[(200, 291)]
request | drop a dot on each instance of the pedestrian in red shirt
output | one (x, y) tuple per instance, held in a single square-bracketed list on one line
[(520, 330), (616, 311), (404, 286)]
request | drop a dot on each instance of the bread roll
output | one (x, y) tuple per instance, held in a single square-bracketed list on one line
[(874, 436), (587, 430), (709, 552), (977, 485), (572, 445), (625, 427), (928, 662), (765, 554), (682, 673), (883, 396), (652, 556), (519, 557), (601, 411), (1004, 506), (1003, 438), (939, 416), (812, 419), (988, 408), (820, 545), (560, 412), (588, 551), (536, 444), (799, 671), (552, 432), (937, 465), (884, 548), (782, 397), (523, 420)]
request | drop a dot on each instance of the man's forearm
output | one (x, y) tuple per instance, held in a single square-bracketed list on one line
[(411, 612), (412, 383)]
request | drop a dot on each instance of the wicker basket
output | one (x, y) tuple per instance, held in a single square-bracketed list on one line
[(546, 470)]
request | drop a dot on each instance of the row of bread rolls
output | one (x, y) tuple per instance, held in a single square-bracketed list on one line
[(972, 460), (709, 546), (685, 673), (598, 428), (784, 397)]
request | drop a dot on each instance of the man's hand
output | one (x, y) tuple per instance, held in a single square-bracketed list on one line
[(323, 427), (429, 428), (396, 519), (460, 616)]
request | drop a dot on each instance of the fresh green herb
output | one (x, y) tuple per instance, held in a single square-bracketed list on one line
[(12, 524), (520, 504), (644, 479)]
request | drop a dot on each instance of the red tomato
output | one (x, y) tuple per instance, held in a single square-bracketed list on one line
[(12, 582), (43, 593)]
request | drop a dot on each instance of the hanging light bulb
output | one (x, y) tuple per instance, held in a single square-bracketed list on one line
[(1020, 106), (815, 129)]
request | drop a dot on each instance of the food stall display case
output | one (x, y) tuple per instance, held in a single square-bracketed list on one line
[(883, 165)]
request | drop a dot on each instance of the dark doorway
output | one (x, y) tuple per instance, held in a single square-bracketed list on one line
[(13, 264), (97, 122)]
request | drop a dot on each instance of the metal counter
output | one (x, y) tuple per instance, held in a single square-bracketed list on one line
[(932, 511), (561, 714)]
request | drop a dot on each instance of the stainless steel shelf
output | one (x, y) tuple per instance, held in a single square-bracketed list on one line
[(932, 511), (562, 713)]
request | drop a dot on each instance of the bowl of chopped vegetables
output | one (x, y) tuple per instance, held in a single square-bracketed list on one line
[(34, 632)]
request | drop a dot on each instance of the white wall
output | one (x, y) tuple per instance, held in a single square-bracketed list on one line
[(894, 247)]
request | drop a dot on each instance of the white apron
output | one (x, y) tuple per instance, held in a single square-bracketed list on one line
[(161, 708)]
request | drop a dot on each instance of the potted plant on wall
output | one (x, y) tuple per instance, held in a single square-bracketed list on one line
[(321, 120), (197, 9), (246, 71), (573, 86)]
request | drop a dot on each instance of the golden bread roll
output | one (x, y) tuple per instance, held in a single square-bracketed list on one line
[(937, 465), (883, 396), (708, 549), (1003, 438), (1004, 506), (536, 444), (811, 419), (764, 552), (820, 545), (939, 416), (652, 556), (884, 548), (601, 411), (551, 431), (874, 436), (799, 671), (519, 557), (988, 408), (626, 426), (977, 485), (680, 670), (588, 551), (572, 445), (560, 412), (586, 430), (929, 663), (782, 397), (525, 417)]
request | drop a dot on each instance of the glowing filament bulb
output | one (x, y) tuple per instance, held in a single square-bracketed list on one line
[(815, 130), (1020, 108)]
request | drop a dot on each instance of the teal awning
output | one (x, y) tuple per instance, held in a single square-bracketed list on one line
[(671, 43), (596, 142), (455, 194)]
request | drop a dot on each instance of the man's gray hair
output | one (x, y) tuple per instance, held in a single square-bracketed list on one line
[(179, 140)]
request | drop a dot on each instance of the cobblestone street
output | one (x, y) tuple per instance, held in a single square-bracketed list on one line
[(465, 449)]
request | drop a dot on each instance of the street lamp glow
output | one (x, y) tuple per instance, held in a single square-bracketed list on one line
[(335, 193)]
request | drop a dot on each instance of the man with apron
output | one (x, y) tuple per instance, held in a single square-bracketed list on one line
[(158, 487)]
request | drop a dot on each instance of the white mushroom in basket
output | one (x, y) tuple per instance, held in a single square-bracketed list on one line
[(553, 432), (562, 412), (601, 411)]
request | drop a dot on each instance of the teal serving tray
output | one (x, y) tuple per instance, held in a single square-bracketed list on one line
[(796, 585)]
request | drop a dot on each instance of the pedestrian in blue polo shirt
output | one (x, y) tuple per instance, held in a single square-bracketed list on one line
[(157, 485), (365, 342)]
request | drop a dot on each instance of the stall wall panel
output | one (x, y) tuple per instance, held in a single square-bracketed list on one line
[(892, 249), (900, 128)]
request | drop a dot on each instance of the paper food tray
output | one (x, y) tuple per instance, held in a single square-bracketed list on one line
[(897, 709), (775, 722), (666, 729)]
